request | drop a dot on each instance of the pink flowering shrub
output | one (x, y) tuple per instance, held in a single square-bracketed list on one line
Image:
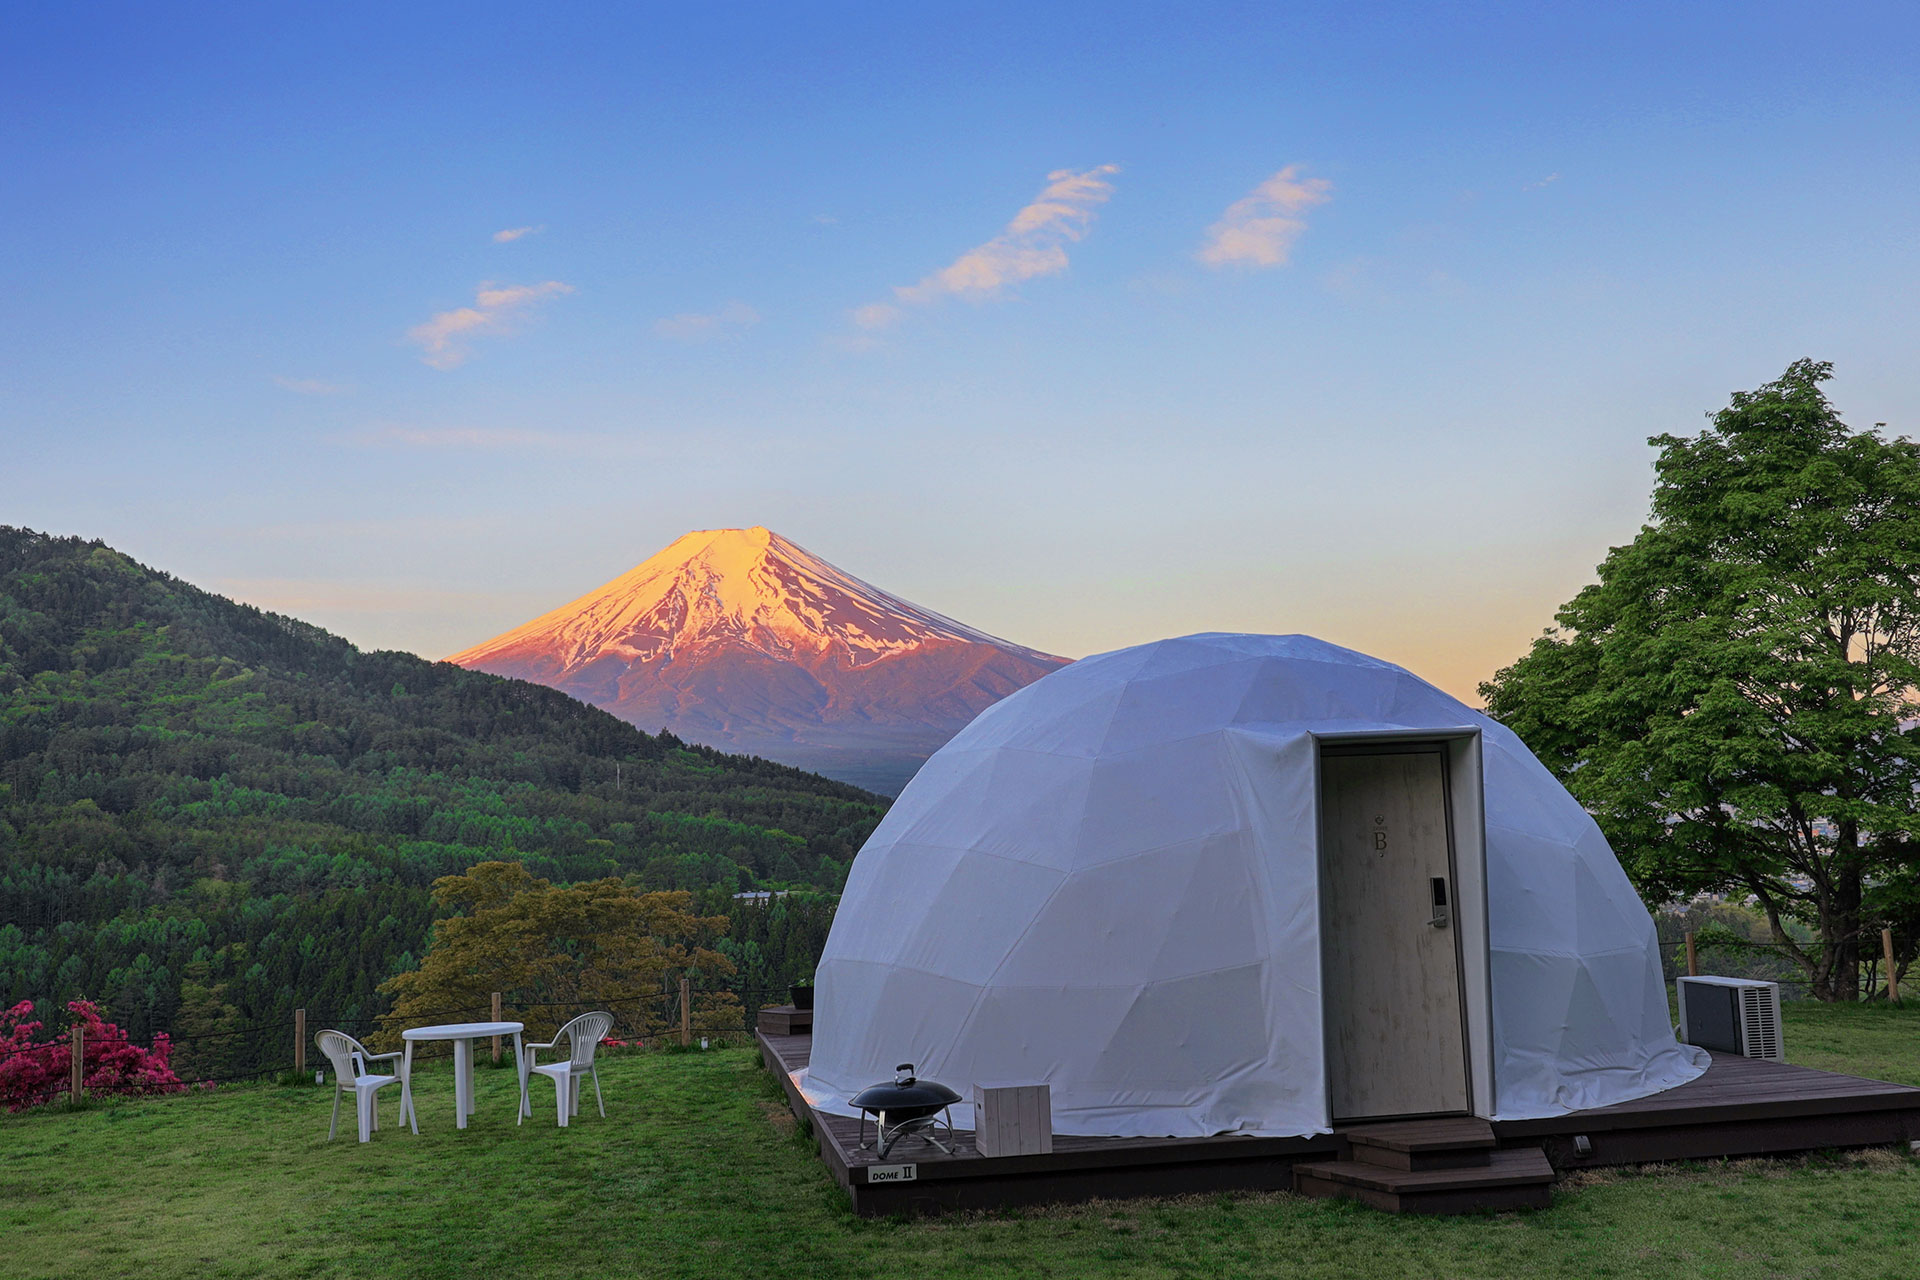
[(38, 1071)]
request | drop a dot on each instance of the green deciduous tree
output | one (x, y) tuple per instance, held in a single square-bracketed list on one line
[(1734, 698), (209, 1035), (551, 950)]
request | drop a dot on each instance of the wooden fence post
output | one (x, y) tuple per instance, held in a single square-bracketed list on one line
[(300, 1041), (496, 1018), (78, 1044), (1893, 984), (1693, 964), (686, 1011)]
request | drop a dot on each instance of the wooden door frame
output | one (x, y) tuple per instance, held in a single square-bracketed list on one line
[(1463, 781)]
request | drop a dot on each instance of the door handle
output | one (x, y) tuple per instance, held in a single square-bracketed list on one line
[(1442, 914)]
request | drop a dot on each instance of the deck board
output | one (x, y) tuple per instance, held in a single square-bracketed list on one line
[(1739, 1106)]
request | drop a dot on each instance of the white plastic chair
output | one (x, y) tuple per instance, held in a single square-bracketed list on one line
[(583, 1035), (350, 1058)]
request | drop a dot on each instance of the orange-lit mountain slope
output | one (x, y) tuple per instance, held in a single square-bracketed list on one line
[(739, 639)]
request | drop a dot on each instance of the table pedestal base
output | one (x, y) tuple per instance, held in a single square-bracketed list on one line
[(463, 1099)]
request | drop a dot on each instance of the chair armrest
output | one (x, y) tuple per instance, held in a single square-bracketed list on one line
[(548, 1045), (382, 1057)]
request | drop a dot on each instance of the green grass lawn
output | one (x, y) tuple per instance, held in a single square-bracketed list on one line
[(1880, 1041), (697, 1172)]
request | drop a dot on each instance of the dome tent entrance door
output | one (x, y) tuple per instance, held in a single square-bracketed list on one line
[(1396, 1035)]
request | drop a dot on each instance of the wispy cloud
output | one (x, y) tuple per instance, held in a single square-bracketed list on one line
[(876, 315), (1546, 181), (495, 310), (302, 597), (698, 326), (491, 439), (310, 386), (1259, 229), (514, 233), (1033, 244), (526, 442)]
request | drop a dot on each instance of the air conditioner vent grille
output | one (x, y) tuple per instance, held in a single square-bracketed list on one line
[(1760, 1016)]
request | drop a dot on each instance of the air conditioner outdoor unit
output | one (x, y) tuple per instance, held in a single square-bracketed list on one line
[(1731, 1015)]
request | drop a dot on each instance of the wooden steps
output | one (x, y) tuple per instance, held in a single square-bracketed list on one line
[(1450, 1142), (1448, 1164)]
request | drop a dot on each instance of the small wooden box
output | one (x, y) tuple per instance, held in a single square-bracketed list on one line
[(784, 1020), (1013, 1119)]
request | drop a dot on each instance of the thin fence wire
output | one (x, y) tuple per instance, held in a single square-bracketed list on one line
[(1723, 954), (265, 1049)]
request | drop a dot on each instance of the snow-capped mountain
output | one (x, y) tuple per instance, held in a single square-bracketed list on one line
[(742, 640)]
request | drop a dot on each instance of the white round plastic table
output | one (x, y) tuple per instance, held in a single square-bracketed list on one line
[(463, 1034)]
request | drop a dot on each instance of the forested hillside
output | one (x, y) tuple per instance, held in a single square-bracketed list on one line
[(210, 813)]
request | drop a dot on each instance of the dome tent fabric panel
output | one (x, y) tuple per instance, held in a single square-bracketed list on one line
[(1108, 882)]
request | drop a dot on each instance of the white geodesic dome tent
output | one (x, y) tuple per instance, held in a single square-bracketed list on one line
[(1109, 883)]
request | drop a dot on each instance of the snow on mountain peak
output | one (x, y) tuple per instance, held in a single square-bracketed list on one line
[(747, 588), (742, 640)]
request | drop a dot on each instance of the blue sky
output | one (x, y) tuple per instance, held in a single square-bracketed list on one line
[(1342, 319)]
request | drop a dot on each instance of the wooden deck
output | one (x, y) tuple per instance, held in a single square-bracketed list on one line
[(1740, 1107)]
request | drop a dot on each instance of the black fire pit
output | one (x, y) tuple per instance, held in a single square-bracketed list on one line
[(906, 1107)]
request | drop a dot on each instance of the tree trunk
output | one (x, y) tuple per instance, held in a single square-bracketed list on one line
[(1818, 963), (1823, 957), (1839, 919), (1845, 937)]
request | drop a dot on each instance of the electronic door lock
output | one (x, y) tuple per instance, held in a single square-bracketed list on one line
[(1442, 914)]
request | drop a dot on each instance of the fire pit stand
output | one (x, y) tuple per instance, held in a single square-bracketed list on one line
[(906, 1108)]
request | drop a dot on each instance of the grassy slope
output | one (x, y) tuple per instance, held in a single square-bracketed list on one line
[(696, 1173), (197, 794)]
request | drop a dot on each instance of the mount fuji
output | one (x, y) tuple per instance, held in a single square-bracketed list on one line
[(741, 640)]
